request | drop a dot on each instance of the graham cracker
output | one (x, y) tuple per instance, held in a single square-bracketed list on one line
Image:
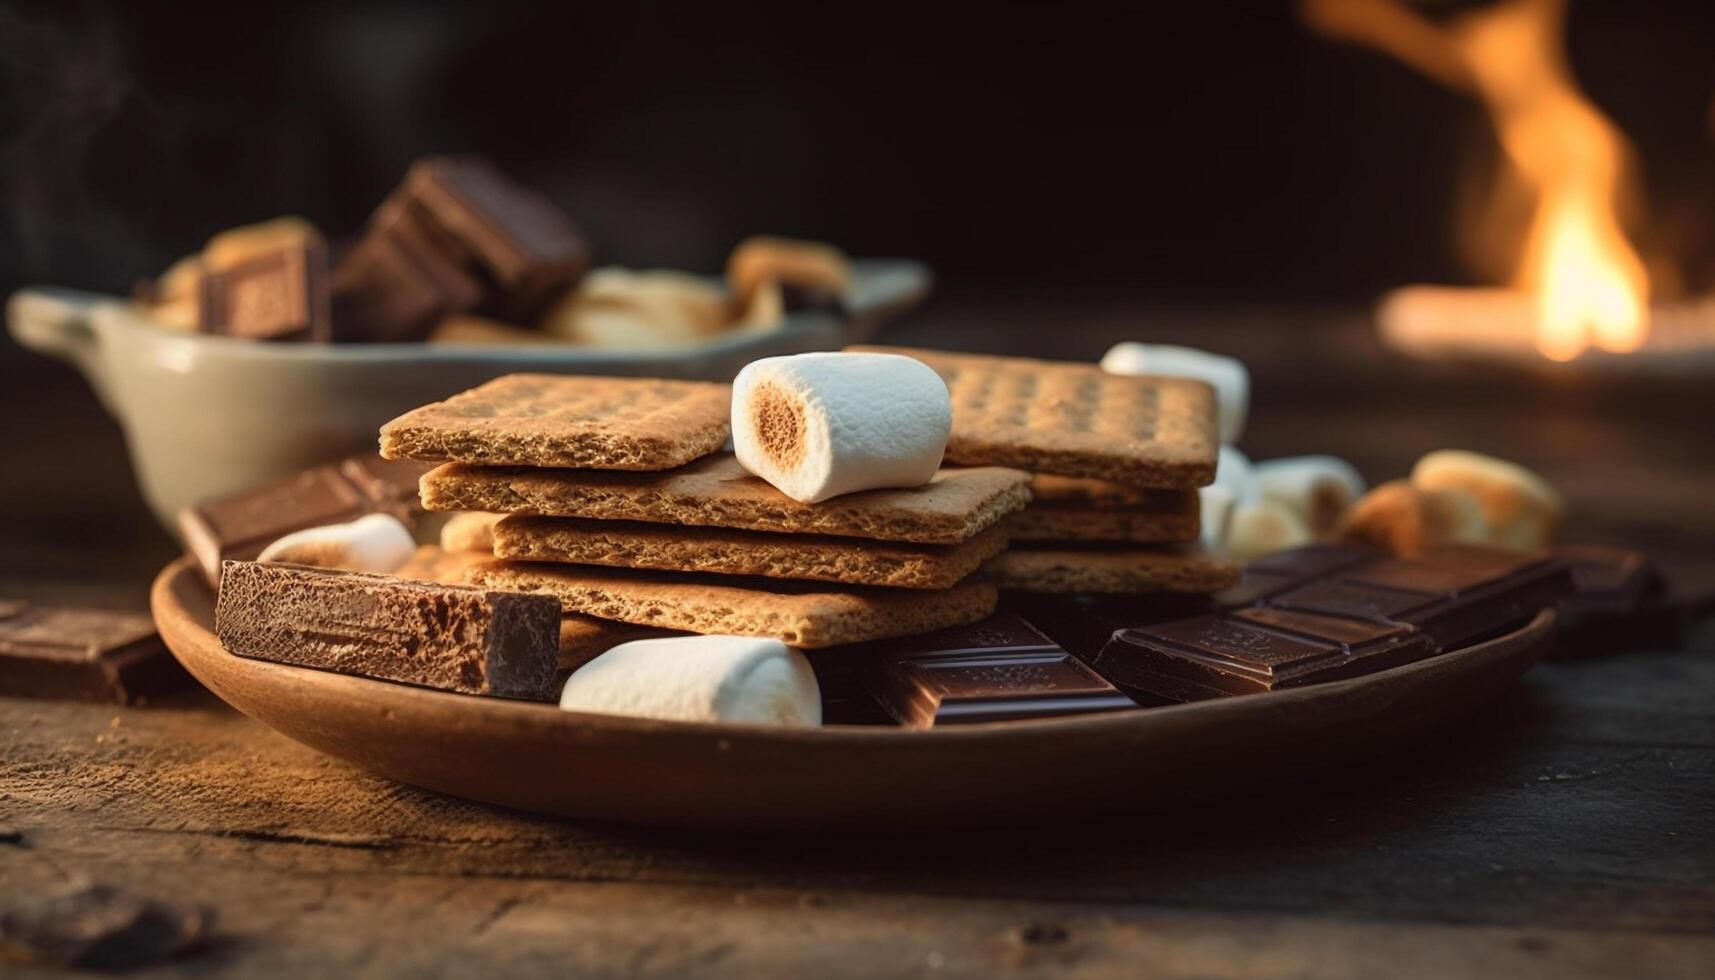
[(725, 551), (1082, 491), (718, 492), (1076, 419), (1110, 570), (800, 614), (1177, 519), (550, 420), (431, 563)]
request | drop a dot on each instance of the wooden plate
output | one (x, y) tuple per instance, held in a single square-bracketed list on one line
[(537, 757)]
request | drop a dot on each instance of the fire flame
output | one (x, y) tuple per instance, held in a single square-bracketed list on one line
[(1587, 282)]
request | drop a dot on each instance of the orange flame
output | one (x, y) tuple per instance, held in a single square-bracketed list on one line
[(1587, 282)]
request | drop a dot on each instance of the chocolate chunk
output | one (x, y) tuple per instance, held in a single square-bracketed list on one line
[(242, 524), (399, 280), (83, 655), (279, 294), (1083, 623), (1457, 595), (1273, 574), (100, 927), (455, 638), (999, 669), (518, 239), (1620, 601)]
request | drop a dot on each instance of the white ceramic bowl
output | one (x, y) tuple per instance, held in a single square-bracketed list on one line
[(205, 416)]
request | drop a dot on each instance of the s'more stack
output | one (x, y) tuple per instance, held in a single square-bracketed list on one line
[(621, 499), (1115, 461)]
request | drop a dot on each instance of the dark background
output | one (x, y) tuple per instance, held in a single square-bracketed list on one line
[(1205, 151), (1069, 170)]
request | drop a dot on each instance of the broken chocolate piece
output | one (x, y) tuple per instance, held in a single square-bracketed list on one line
[(399, 280), (100, 927), (1620, 601), (455, 638), (999, 669), (83, 655), (242, 524), (279, 294)]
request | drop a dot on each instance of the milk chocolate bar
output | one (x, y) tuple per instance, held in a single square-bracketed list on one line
[(1254, 650), (83, 655), (455, 638), (242, 524), (999, 669), (279, 294), (399, 280)]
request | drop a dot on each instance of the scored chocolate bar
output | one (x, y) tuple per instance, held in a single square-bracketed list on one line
[(451, 637), (83, 655), (280, 294), (999, 669), (1325, 617), (241, 525)]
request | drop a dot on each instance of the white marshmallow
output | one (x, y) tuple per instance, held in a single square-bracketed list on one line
[(700, 678), (1227, 375), (1262, 526), (374, 543), (1319, 489), (819, 425), (1235, 482)]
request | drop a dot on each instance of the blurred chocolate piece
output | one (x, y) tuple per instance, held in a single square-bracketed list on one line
[(1254, 650), (999, 669), (83, 655), (524, 245), (277, 294), (98, 927), (457, 236), (399, 280), (1456, 594), (450, 637), (1620, 601), (241, 525)]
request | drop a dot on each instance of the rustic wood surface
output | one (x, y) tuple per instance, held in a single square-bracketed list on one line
[(1564, 830)]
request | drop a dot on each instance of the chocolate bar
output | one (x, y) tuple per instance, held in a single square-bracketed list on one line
[(1254, 650), (399, 280), (279, 294), (1328, 617), (1082, 623), (241, 525), (1456, 594), (83, 655), (1273, 574), (450, 637), (999, 669)]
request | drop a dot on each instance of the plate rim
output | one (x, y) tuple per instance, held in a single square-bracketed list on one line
[(192, 642)]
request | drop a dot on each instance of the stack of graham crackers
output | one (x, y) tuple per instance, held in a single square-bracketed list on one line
[(622, 504), (1116, 463)]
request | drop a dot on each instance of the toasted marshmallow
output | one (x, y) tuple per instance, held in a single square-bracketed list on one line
[(1318, 488), (639, 309), (700, 678), (1227, 375), (1235, 481), (1522, 509), (1405, 520), (469, 530), (1261, 526), (373, 543), (819, 425)]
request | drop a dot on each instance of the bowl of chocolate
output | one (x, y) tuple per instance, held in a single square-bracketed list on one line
[(274, 349)]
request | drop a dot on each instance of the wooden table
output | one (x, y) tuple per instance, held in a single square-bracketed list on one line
[(1564, 830)]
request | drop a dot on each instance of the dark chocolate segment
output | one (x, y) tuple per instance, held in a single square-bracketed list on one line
[(279, 294), (999, 669), (240, 525), (455, 638), (83, 655), (1620, 602), (399, 280)]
